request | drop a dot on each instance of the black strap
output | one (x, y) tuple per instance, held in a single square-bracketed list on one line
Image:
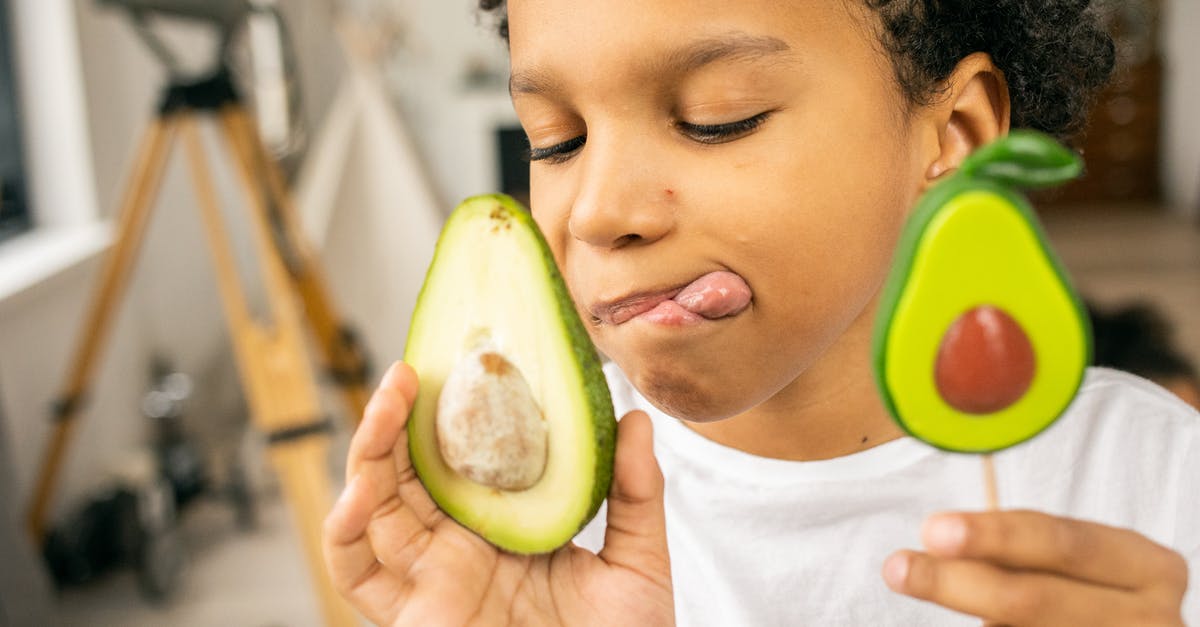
[(65, 407), (289, 434)]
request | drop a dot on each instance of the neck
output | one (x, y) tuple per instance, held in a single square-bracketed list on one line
[(832, 409)]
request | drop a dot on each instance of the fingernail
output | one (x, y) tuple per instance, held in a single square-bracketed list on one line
[(390, 376), (895, 570), (345, 495), (945, 533)]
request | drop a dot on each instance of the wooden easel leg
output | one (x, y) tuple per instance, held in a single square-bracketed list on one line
[(274, 369), (342, 355), (134, 214)]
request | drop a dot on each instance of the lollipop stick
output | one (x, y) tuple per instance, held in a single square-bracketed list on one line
[(989, 482)]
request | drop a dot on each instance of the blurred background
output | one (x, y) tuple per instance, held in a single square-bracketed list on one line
[(378, 115)]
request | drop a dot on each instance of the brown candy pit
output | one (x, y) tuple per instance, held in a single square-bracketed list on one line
[(985, 363)]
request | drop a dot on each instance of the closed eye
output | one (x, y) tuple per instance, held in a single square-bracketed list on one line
[(558, 152), (703, 133), (721, 133)]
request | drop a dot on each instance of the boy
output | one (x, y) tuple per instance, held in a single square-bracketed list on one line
[(764, 154)]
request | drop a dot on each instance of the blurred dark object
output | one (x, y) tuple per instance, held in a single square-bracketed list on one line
[(14, 208), (1137, 338), (1121, 141), (127, 526), (512, 153), (99, 537), (179, 459), (14, 211), (135, 523)]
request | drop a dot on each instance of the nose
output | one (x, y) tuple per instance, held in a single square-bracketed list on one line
[(621, 200)]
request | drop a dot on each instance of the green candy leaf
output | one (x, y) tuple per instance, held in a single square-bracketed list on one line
[(1024, 159)]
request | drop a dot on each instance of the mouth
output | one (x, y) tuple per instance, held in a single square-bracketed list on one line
[(711, 296)]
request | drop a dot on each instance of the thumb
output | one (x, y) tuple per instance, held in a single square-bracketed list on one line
[(636, 536)]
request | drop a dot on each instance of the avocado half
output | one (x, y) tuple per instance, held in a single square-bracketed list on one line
[(493, 282), (980, 342)]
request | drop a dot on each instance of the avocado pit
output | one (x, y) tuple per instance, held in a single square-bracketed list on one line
[(489, 427)]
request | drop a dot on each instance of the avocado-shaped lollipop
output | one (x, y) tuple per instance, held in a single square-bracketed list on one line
[(512, 432), (980, 341)]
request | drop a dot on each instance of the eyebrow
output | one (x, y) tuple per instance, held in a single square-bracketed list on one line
[(735, 46), (730, 47)]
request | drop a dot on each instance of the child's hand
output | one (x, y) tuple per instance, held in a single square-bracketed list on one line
[(1027, 568), (401, 561)]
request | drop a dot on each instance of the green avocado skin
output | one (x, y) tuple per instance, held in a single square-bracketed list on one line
[(910, 241), (597, 397)]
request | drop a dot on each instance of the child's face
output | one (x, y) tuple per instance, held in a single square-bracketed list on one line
[(801, 194)]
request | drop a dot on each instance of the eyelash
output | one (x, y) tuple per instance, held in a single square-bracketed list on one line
[(556, 153), (703, 133), (721, 133)]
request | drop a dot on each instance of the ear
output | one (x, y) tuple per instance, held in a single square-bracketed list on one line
[(973, 110)]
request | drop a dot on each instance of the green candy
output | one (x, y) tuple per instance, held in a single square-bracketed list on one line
[(980, 341)]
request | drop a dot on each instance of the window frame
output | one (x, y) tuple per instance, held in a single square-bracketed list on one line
[(66, 226)]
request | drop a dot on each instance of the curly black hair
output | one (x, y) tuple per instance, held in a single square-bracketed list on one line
[(1055, 54)]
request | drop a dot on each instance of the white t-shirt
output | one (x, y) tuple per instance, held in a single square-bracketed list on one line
[(757, 541)]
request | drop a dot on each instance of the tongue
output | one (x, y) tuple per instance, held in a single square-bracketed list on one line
[(715, 295)]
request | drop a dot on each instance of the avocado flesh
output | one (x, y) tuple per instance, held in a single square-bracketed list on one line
[(493, 282), (970, 243)]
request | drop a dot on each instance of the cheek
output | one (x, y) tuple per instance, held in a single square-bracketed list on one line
[(814, 226), (551, 217), (552, 221)]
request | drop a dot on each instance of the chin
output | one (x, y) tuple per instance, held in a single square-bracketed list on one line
[(683, 395)]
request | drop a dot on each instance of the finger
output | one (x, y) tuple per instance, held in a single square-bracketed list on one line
[(383, 419), (636, 535), (1007, 597), (1036, 541), (348, 553), (379, 448), (349, 557), (409, 487), (398, 535), (399, 519)]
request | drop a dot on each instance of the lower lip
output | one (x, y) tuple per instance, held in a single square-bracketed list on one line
[(670, 314)]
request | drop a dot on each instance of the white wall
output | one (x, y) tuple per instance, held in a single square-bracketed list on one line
[(1181, 157), (450, 122)]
